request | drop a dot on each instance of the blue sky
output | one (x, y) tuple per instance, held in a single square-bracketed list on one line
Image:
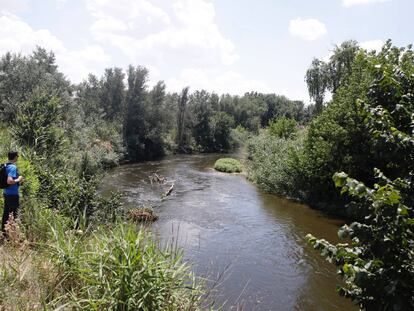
[(225, 46)]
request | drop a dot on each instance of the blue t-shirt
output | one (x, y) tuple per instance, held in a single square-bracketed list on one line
[(12, 171)]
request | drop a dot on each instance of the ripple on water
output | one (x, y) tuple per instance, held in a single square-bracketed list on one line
[(224, 223)]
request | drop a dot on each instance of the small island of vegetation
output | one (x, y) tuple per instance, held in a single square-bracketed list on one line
[(228, 165)]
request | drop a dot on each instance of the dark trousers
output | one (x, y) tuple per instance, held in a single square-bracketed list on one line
[(11, 207)]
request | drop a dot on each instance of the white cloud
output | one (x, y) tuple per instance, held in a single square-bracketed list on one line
[(145, 32), (220, 81), (372, 45), (307, 29), (79, 63), (18, 37), (349, 3), (14, 6)]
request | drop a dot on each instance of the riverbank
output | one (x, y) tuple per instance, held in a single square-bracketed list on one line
[(98, 269)]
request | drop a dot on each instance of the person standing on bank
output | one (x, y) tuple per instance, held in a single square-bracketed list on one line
[(11, 193)]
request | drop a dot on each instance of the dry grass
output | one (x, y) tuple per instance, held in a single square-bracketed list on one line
[(23, 275)]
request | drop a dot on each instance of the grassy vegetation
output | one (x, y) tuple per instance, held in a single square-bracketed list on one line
[(117, 268), (228, 165)]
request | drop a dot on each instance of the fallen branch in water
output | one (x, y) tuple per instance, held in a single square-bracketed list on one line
[(168, 192), (155, 178)]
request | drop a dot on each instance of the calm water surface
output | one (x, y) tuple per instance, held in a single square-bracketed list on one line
[(251, 242)]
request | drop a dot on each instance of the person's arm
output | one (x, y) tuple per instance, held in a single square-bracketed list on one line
[(12, 181), (11, 178)]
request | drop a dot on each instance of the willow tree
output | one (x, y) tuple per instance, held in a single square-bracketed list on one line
[(317, 80), (323, 76), (340, 63)]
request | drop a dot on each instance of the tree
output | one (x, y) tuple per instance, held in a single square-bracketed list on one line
[(112, 93), (340, 63), (322, 76), (88, 98), (317, 81), (202, 111), (182, 107), (155, 121), (37, 125), (134, 117), (337, 140), (22, 75), (221, 125)]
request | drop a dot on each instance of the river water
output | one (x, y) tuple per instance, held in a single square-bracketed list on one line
[(250, 243)]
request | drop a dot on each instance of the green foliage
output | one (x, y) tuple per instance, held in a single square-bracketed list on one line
[(283, 128), (367, 125), (31, 184), (37, 220), (23, 75), (378, 263), (239, 136), (144, 117), (182, 138), (202, 111), (388, 110), (134, 122), (322, 76), (123, 269), (228, 165), (76, 196), (274, 164), (112, 93), (317, 81), (222, 123), (36, 125)]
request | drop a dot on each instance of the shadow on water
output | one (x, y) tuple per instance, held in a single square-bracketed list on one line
[(224, 221)]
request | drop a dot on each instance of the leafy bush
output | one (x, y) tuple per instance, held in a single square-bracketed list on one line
[(378, 263), (283, 128), (36, 124), (122, 269), (239, 136), (274, 164), (228, 165)]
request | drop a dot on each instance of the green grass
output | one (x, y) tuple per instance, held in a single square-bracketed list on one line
[(228, 165), (118, 267)]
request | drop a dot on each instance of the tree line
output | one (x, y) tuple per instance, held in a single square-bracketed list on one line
[(119, 117)]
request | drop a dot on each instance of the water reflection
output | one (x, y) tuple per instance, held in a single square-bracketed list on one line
[(225, 221)]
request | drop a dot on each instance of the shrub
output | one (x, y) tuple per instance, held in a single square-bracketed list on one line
[(275, 164), (123, 269), (228, 165), (378, 263), (283, 128)]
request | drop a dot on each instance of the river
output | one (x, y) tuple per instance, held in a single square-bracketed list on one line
[(251, 242)]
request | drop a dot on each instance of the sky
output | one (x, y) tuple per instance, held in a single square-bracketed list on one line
[(225, 46)]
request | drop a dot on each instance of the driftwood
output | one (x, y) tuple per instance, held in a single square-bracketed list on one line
[(155, 178), (166, 194)]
